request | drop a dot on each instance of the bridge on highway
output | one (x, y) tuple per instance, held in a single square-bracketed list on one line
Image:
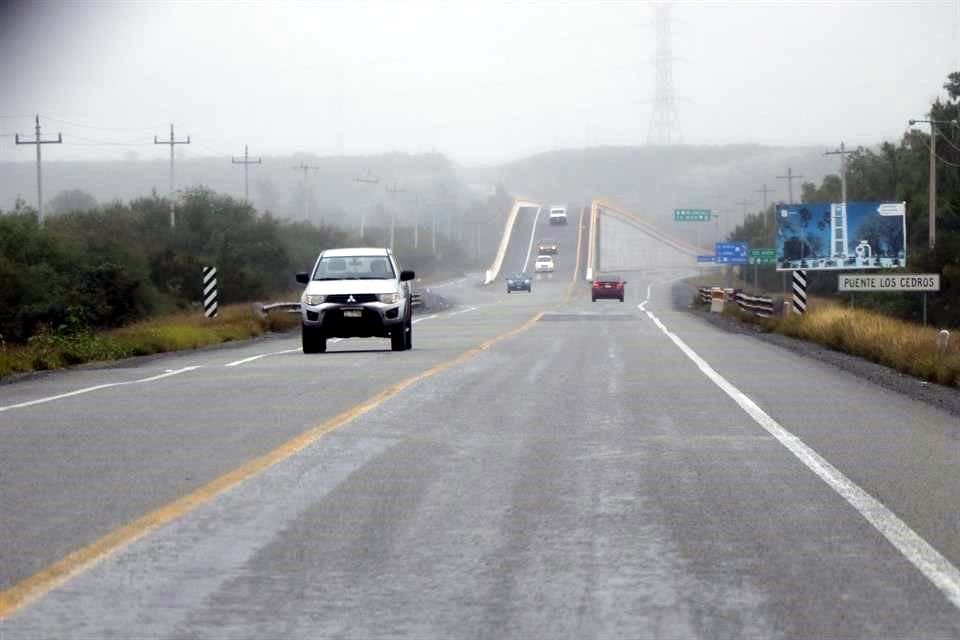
[(538, 466)]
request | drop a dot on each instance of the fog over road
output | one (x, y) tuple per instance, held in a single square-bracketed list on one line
[(538, 466)]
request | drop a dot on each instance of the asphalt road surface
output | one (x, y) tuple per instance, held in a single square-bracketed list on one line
[(539, 466)]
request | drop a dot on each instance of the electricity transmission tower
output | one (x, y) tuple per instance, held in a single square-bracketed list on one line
[(39, 141), (246, 162), (664, 121), (172, 141)]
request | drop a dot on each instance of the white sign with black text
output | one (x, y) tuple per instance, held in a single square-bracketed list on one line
[(899, 282)]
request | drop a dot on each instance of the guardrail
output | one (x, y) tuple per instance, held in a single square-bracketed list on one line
[(760, 306), (494, 269)]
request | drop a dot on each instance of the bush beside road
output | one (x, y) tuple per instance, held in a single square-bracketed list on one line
[(901, 345), (175, 332)]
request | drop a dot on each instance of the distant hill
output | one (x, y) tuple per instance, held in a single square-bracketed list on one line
[(655, 180), (648, 180)]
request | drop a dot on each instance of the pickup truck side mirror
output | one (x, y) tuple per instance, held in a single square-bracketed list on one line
[(407, 275), (303, 277)]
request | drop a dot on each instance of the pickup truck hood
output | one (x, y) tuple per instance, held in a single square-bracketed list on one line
[(333, 287)]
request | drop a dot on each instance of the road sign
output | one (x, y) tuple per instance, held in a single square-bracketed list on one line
[(892, 209), (711, 259), (898, 282), (837, 236), (731, 252), (762, 256), (691, 215)]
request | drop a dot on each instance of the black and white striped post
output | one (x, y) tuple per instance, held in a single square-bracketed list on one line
[(210, 305), (799, 291)]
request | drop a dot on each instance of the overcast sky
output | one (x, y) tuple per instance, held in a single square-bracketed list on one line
[(480, 81)]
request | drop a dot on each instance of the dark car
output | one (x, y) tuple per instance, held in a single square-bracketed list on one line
[(610, 287), (519, 282)]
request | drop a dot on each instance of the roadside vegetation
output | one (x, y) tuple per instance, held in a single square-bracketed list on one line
[(175, 332), (899, 344), (893, 171)]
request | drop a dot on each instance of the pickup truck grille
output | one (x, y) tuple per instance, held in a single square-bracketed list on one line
[(357, 298)]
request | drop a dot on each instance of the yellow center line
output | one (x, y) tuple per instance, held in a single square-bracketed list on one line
[(39, 584), (576, 268)]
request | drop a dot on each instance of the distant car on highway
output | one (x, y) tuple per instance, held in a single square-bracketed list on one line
[(519, 282), (356, 293), (607, 286), (548, 247), (558, 215), (544, 264)]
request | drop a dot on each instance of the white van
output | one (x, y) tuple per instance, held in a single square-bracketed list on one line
[(558, 215)]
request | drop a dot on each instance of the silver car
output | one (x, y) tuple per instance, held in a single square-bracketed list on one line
[(356, 293)]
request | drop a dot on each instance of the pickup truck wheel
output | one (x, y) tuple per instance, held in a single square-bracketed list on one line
[(398, 338), (408, 336), (312, 340)]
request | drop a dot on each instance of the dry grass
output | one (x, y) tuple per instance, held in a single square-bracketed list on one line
[(904, 346), (175, 332)]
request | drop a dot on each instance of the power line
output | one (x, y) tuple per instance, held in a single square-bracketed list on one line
[(99, 127), (38, 141), (246, 162), (172, 142)]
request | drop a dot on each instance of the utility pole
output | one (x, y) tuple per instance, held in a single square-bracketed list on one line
[(416, 221), (246, 162), (790, 177), (172, 141), (843, 152), (764, 191), (393, 191), (38, 140), (367, 179), (932, 208), (306, 202)]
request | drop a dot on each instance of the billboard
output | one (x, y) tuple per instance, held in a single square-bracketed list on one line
[(857, 235)]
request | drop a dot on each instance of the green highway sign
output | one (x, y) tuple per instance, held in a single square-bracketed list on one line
[(762, 256), (691, 215)]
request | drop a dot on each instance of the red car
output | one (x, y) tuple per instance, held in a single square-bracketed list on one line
[(607, 287)]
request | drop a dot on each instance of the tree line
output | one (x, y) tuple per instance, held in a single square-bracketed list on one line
[(894, 172), (106, 266)]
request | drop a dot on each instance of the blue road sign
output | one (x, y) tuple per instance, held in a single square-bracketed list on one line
[(706, 258), (731, 252)]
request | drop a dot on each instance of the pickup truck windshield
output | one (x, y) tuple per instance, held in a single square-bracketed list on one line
[(354, 268)]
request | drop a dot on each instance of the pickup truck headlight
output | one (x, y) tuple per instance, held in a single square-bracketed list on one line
[(313, 299), (389, 298)]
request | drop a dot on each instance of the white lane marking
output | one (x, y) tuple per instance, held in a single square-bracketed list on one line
[(914, 548), (108, 385), (456, 313), (448, 283), (642, 306), (424, 318), (236, 363), (533, 234)]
